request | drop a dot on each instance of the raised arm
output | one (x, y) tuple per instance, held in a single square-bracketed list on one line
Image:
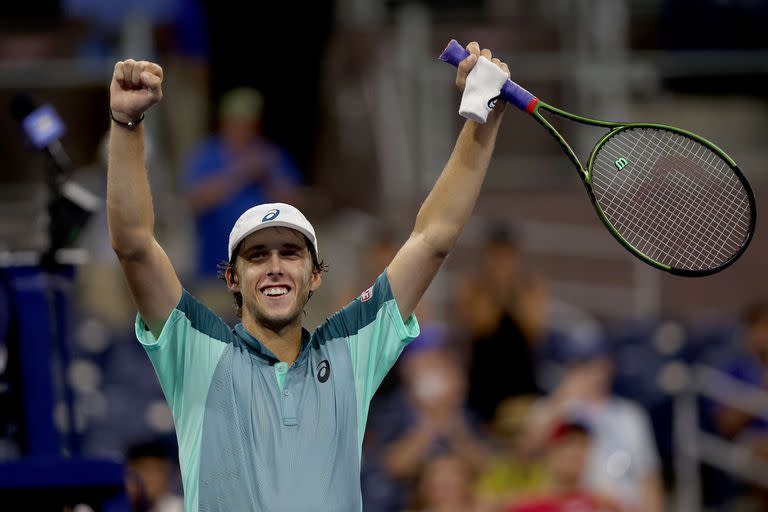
[(156, 290), (449, 204)]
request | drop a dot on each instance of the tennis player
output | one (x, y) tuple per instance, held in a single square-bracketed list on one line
[(269, 416)]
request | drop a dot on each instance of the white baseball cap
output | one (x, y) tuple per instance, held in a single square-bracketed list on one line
[(270, 215)]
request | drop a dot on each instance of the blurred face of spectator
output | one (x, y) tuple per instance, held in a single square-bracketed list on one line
[(446, 484), (275, 275), (502, 266), (479, 313), (151, 479), (567, 458), (589, 379), (238, 131), (532, 308), (239, 115), (509, 425), (434, 382)]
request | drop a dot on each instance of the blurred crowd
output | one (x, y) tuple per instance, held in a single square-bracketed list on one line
[(472, 425)]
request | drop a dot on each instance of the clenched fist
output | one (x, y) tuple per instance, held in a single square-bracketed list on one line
[(136, 86), (467, 64)]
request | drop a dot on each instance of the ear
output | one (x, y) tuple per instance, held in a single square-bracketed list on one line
[(315, 280), (233, 283)]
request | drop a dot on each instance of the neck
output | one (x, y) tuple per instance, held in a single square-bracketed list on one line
[(241, 145), (285, 342)]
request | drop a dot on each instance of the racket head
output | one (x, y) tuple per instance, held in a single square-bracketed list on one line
[(672, 198)]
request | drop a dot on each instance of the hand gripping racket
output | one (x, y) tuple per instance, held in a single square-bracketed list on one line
[(671, 197)]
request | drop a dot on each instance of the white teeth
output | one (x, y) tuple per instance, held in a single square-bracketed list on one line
[(275, 291)]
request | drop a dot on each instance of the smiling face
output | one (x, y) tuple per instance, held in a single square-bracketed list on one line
[(275, 275)]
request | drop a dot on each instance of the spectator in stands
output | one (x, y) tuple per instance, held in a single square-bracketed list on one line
[(623, 459), (505, 322), (567, 450), (515, 468), (148, 481), (231, 171), (427, 417), (751, 367)]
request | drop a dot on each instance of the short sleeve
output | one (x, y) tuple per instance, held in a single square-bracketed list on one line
[(376, 336), (185, 357), (186, 353)]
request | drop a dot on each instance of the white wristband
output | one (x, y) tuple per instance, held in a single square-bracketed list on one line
[(484, 83)]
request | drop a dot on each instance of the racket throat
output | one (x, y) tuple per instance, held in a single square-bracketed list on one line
[(563, 145)]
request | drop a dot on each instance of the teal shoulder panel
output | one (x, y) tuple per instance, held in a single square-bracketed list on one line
[(357, 314)]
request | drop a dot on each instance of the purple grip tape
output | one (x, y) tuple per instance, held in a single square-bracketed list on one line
[(512, 93)]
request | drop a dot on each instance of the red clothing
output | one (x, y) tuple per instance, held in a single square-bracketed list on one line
[(576, 502)]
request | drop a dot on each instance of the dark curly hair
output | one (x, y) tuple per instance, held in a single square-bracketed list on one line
[(221, 271)]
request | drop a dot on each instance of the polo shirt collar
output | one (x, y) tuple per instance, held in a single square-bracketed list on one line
[(263, 352)]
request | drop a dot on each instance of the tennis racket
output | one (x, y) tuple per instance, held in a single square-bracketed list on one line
[(671, 197)]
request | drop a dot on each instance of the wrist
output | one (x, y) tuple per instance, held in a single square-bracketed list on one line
[(125, 121)]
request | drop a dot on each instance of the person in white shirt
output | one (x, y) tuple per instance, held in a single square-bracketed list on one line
[(623, 460)]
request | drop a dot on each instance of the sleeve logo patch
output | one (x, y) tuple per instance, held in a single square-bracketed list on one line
[(367, 294)]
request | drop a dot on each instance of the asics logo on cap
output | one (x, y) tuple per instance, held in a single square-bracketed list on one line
[(271, 215)]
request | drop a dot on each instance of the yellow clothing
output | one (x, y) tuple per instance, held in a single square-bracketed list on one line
[(506, 477)]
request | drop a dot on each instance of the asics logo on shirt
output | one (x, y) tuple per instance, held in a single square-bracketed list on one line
[(323, 371)]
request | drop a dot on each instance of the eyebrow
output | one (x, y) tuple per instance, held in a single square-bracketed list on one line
[(286, 245)]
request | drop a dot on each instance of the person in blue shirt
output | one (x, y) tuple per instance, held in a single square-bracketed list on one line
[(750, 366), (268, 415), (232, 170)]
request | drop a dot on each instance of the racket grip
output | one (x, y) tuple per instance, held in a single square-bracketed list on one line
[(512, 93)]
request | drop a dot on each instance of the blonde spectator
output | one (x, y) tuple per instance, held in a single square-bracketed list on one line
[(515, 469)]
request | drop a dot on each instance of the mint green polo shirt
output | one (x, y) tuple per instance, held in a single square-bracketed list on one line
[(258, 434)]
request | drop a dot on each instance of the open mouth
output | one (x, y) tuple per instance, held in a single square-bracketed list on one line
[(275, 290)]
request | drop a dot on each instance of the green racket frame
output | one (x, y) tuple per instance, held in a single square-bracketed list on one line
[(586, 178)]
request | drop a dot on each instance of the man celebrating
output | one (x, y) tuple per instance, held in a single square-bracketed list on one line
[(269, 416)]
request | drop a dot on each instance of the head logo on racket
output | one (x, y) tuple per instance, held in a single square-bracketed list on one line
[(620, 163), (271, 215)]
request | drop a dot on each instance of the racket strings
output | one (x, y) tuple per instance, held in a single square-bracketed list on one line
[(675, 200), (685, 212), (657, 200)]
